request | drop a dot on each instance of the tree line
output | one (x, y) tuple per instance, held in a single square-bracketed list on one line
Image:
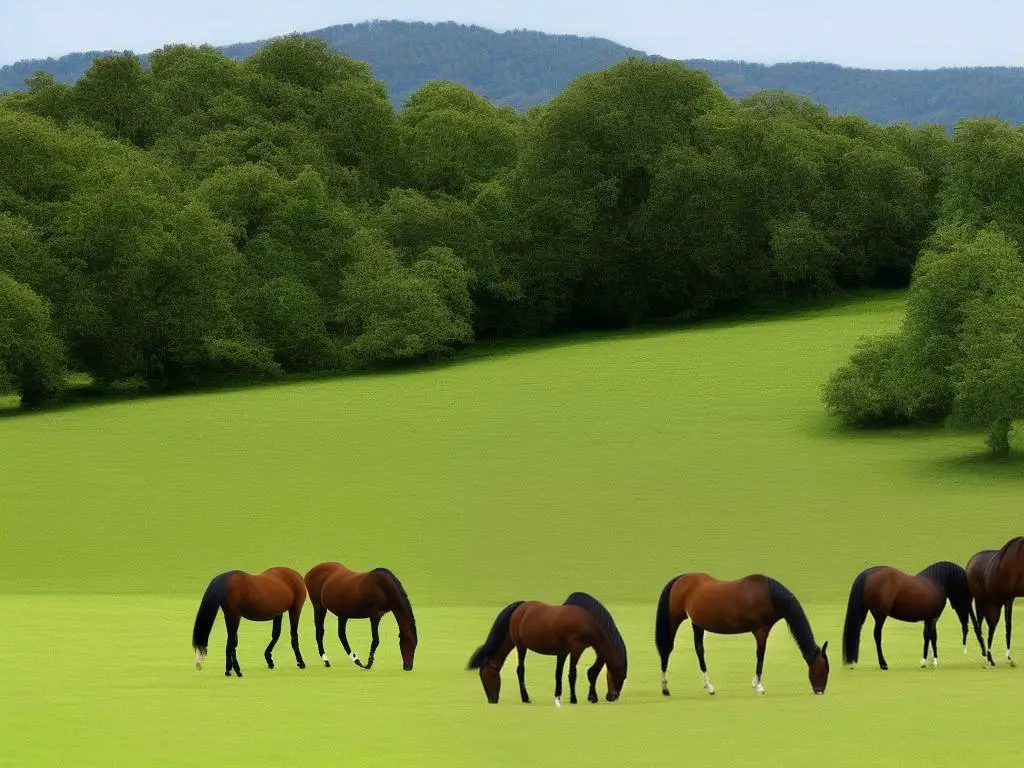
[(203, 219)]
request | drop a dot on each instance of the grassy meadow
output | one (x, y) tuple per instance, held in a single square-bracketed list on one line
[(608, 464)]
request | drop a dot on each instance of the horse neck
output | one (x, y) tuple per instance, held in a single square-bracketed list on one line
[(603, 645), (398, 604)]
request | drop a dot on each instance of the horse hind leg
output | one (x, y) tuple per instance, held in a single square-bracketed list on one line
[(293, 618), (521, 674), (343, 637), (574, 659), (275, 633), (992, 619), (1009, 631), (559, 669), (698, 646), (319, 615), (231, 623), (879, 621), (761, 636)]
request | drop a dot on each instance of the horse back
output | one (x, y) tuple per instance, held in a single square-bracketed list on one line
[(725, 607), (552, 629), (317, 575), (904, 596), (263, 596)]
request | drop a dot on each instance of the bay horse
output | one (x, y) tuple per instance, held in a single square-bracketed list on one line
[(887, 592), (752, 604), (563, 631), (995, 578), (361, 595), (256, 597)]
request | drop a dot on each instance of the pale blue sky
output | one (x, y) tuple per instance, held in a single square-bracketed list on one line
[(866, 33)]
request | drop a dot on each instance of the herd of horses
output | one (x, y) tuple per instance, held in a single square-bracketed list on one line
[(755, 604)]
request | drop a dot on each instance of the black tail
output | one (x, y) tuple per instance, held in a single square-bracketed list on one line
[(664, 638), (499, 630), (856, 613), (212, 601)]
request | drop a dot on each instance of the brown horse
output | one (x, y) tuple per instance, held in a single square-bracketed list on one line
[(361, 595), (257, 597), (886, 592), (563, 631), (995, 579), (752, 604)]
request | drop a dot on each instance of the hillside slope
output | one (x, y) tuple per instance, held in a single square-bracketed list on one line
[(524, 68)]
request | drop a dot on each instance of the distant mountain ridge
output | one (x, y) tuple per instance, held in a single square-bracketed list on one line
[(523, 68)]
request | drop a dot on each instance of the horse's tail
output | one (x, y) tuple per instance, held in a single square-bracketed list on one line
[(213, 600), (856, 613), (499, 630), (664, 638)]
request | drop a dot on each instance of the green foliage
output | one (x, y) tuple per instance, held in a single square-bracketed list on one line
[(868, 390), (391, 311), (31, 355)]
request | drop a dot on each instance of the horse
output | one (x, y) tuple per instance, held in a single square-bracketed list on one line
[(995, 579), (256, 597), (361, 595), (752, 604), (563, 631), (887, 592)]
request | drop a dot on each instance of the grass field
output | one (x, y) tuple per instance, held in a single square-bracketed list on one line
[(607, 465)]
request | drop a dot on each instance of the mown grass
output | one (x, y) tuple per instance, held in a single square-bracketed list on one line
[(607, 465)]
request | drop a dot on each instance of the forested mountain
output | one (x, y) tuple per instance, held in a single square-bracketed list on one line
[(524, 68)]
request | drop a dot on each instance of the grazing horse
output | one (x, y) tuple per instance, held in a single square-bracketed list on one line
[(361, 595), (563, 631), (752, 604), (996, 578), (257, 597), (886, 592)]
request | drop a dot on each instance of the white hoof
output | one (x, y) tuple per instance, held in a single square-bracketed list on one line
[(708, 686), (325, 659), (558, 702), (935, 662), (965, 650), (924, 663), (355, 659)]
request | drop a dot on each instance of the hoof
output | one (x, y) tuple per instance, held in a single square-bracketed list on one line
[(664, 692), (301, 664), (884, 667), (228, 673), (558, 702)]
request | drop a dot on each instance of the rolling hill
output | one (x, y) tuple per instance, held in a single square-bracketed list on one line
[(523, 68)]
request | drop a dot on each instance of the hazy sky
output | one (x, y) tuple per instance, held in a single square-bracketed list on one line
[(865, 33)]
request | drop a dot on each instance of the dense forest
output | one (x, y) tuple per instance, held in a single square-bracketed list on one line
[(522, 69), (206, 219)]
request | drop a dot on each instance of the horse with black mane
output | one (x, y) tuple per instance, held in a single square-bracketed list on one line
[(752, 604), (257, 597), (361, 595), (563, 631), (884, 592), (995, 578)]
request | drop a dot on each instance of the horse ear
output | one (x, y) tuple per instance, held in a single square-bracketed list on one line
[(824, 648)]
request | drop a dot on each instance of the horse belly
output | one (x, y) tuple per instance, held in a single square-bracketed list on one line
[(915, 606), (265, 602)]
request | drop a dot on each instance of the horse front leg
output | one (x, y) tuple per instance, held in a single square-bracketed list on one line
[(574, 659), (275, 633), (374, 639), (343, 636), (992, 619), (592, 675)]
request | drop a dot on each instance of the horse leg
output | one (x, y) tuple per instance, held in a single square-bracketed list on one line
[(521, 674), (274, 634), (674, 623), (319, 614), (574, 659), (930, 637), (698, 645), (879, 621), (231, 651), (992, 619), (1009, 631), (293, 617), (343, 636), (761, 636), (559, 667), (935, 643), (374, 639), (592, 674)]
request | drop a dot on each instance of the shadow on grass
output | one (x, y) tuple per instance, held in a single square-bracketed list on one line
[(83, 394), (983, 464)]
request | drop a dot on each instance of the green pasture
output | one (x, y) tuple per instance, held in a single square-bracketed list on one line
[(609, 465)]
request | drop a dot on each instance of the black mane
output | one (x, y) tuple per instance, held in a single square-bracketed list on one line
[(785, 603), (953, 580), (594, 607), (407, 605)]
